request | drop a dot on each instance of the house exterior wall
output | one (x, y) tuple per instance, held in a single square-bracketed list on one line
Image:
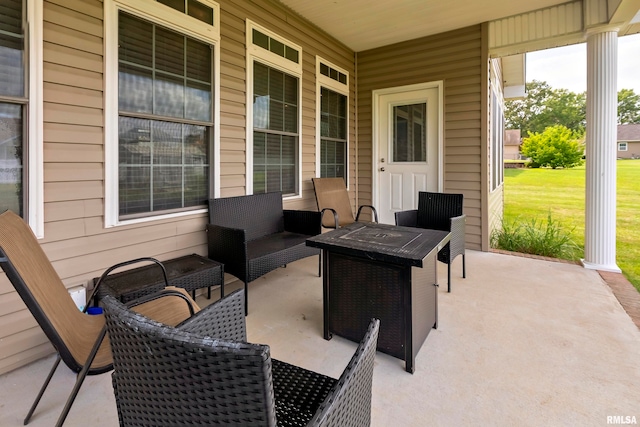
[(511, 152), (633, 150), (455, 58), (75, 239)]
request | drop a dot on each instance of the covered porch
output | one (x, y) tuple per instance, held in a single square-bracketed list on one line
[(521, 341)]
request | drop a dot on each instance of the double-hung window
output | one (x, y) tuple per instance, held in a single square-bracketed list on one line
[(20, 110), (332, 129), (165, 106), (275, 70), (13, 105)]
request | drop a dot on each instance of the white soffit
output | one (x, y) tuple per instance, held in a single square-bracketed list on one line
[(367, 24)]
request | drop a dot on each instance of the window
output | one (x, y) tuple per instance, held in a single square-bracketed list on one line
[(409, 133), (497, 136), (622, 146), (21, 170), (333, 130), (274, 112), (13, 105), (165, 109)]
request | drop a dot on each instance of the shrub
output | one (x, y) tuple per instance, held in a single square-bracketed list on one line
[(535, 237), (556, 147)]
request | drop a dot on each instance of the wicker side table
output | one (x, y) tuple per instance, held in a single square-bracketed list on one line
[(190, 272)]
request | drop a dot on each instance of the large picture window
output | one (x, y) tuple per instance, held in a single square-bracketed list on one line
[(165, 117), (13, 105)]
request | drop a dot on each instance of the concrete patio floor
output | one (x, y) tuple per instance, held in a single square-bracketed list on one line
[(520, 342)]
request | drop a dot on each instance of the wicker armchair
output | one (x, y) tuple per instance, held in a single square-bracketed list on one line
[(440, 211), (203, 372), (253, 235)]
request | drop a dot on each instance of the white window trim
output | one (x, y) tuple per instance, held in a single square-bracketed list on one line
[(496, 159), (258, 54), (341, 88), (167, 17), (621, 144), (34, 137)]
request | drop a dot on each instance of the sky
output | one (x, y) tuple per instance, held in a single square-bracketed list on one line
[(566, 67)]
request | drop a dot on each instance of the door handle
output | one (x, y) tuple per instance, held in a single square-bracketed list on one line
[(381, 169)]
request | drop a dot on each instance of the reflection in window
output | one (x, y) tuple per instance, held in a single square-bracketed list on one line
[(275, 130), (13, 105), (410, 133), (11, 190), (333, 134), (163, 159)]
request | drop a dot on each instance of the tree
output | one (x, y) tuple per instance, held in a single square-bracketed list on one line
[(556, 147), (628, 107), (543, 106)]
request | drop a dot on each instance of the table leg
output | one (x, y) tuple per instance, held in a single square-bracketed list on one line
[(325, 294)]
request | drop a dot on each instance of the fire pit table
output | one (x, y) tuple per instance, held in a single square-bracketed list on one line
[(382, 271)]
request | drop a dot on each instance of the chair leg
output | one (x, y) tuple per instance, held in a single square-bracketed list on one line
[(81, 376), (42, 389), (320, 264), (449, 277), (464, 268), (246, 298)]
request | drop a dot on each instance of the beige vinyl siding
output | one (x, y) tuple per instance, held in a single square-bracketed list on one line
[(313, 42), (76, 241), (455, 58), (633, 150)]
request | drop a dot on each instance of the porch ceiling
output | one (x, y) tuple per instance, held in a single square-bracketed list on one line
[(367, 24)]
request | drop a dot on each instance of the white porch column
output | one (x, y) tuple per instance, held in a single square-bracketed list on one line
[(602, 103)]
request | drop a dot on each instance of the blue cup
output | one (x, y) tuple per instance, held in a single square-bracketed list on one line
[(94, 310)]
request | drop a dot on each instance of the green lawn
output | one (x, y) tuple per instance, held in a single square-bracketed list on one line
[(533, 193)]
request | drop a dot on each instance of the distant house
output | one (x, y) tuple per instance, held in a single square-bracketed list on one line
[(512, 142), (628, 141)]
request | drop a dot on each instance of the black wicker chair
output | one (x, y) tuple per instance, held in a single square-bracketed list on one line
[(440, 211), (253, 235), (203, 372)]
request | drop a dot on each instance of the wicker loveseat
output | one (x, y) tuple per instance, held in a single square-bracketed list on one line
[(203, 372), (253, 235)]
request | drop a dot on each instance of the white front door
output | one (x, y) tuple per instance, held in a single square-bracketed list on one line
[(407, 147)]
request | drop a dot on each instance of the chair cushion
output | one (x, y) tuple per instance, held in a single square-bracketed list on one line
[(274, 243)]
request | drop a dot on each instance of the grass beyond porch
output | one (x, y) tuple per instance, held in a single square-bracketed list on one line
[(534, 193)]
